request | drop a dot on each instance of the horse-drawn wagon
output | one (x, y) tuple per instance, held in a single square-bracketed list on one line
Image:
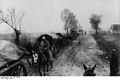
[(11, 59)]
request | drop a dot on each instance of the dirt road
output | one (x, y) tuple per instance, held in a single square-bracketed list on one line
[(71, 59), (70, 63)]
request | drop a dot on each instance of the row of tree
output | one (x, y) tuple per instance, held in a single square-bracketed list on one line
[(71, 23), (14, 20)]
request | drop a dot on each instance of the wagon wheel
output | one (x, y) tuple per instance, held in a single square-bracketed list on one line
[(19, 71)]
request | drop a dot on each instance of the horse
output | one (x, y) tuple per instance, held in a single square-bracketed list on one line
[(89, 71), (30, 49), (59, 41), (42, 62), (58, 44), (44, 56)]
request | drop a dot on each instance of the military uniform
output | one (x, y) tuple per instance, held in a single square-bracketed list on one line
[(45, 47)]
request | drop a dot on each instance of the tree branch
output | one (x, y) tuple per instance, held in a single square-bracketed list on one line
[(11, 19), (7, 22), (14, 18), (20, 21)]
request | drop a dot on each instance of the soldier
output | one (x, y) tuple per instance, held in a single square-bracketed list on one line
[(114, 67), (45, 47)]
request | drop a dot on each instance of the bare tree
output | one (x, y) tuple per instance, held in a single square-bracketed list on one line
[(14, 21), (95, 21)]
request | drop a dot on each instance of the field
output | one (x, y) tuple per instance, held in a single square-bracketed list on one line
[(108, 42)]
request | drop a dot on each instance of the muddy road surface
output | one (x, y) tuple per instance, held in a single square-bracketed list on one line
[(83, 50)]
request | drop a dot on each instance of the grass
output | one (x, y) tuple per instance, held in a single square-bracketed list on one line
[(105, 46)]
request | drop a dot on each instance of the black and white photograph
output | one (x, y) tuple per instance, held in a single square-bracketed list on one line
[(59, 38)]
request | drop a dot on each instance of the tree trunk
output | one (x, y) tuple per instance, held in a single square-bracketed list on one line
[(17, 34), (17, 39), (67, 31), (67, 35), (96, 31)]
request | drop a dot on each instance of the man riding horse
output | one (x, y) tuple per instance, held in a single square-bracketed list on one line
[(45, 47), (45, 56)]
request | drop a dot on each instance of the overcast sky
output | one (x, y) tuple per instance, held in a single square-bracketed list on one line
[(44, 15)]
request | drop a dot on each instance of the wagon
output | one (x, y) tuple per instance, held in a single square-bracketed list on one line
[(12, 58)]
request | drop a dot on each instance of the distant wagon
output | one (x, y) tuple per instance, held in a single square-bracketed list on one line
[(11, 59), (115, 28)]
